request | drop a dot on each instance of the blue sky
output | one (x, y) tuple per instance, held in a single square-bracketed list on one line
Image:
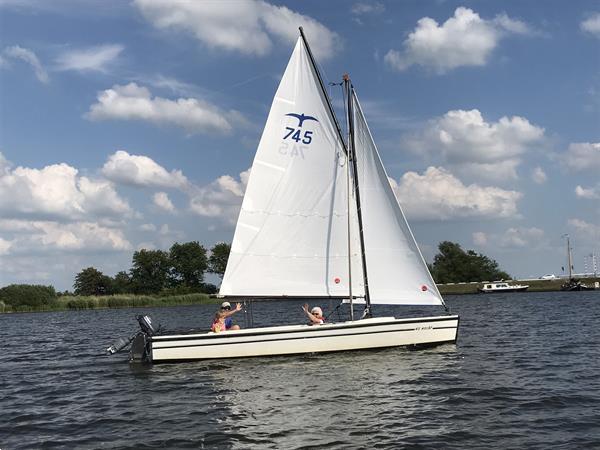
[(128, 125)]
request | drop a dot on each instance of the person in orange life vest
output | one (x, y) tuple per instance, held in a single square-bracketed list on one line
[(218, 324), (315, 315), (222, 320)]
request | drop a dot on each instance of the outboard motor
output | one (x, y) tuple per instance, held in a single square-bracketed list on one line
[(119, 345), (146, 325), (140, 343)]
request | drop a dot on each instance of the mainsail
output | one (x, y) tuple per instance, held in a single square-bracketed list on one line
[(291, 237), (396, 270)]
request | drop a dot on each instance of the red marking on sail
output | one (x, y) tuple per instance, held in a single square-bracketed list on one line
[(337, 280), (423, 288)]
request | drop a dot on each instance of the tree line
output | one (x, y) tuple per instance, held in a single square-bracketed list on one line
[(180, 270), (454, 265)]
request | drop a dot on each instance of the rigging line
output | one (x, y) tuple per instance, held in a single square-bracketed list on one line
[(323, 90), (242, 83), (333, 311)]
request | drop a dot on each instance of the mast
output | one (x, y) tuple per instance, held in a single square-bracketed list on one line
[(352, 157), (349, 192), (569, 257)]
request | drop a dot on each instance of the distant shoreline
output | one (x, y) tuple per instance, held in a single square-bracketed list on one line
[(78, 303), (534, 285)]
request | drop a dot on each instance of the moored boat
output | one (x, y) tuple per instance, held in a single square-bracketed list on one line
[(574, 284), (501, 286)]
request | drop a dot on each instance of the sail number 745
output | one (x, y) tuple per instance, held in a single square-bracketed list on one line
[(295, 135)]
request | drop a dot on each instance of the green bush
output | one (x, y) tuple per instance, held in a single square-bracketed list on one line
[(24, 297)]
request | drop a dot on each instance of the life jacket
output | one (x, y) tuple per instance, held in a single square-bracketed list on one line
[(217, 326)]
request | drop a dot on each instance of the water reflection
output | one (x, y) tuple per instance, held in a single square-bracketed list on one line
[(332, 397)]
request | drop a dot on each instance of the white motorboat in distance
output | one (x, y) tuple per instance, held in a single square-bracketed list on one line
[(501, 286), (319, 220)]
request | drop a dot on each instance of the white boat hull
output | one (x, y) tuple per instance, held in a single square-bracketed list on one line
[(297, 339), (509, 289)]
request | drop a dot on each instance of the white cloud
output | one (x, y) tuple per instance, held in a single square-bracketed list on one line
[(44, 236), (463, 40), (521, 237), (141, 171), (538, 175), (248, 26), (480, 238), (371, 7), (464, 140), (438, 195), (592, 193), (164, 229), (222, 198), (133, 102), (513, 238), (148, 227), (97, 58), (162, 201), (4, 165), (500, 171), (583, 156), (174, 85), (592, 25), (57, 191), (100, 198), (163, 238), (4, 246), (587, 232), (146, 246), (18, 52)]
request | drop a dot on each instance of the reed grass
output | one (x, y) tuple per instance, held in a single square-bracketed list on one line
[(80, 302)]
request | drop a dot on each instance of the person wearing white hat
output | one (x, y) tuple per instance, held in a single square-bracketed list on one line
[(223, 320), (315, 315)]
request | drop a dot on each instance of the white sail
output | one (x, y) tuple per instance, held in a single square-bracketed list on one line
[(291, 237), (397, 273)]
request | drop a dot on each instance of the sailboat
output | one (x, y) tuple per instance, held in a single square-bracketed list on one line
[(573, 284), (319, 220)]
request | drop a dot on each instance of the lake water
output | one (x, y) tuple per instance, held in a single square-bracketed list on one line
[(525, 373)]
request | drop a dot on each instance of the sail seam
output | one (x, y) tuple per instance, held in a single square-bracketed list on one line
[(271, 166), (278, 213), (296, 256)]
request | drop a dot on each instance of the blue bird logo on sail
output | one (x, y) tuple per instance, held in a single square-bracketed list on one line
[(301, 118), (299, 135)]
